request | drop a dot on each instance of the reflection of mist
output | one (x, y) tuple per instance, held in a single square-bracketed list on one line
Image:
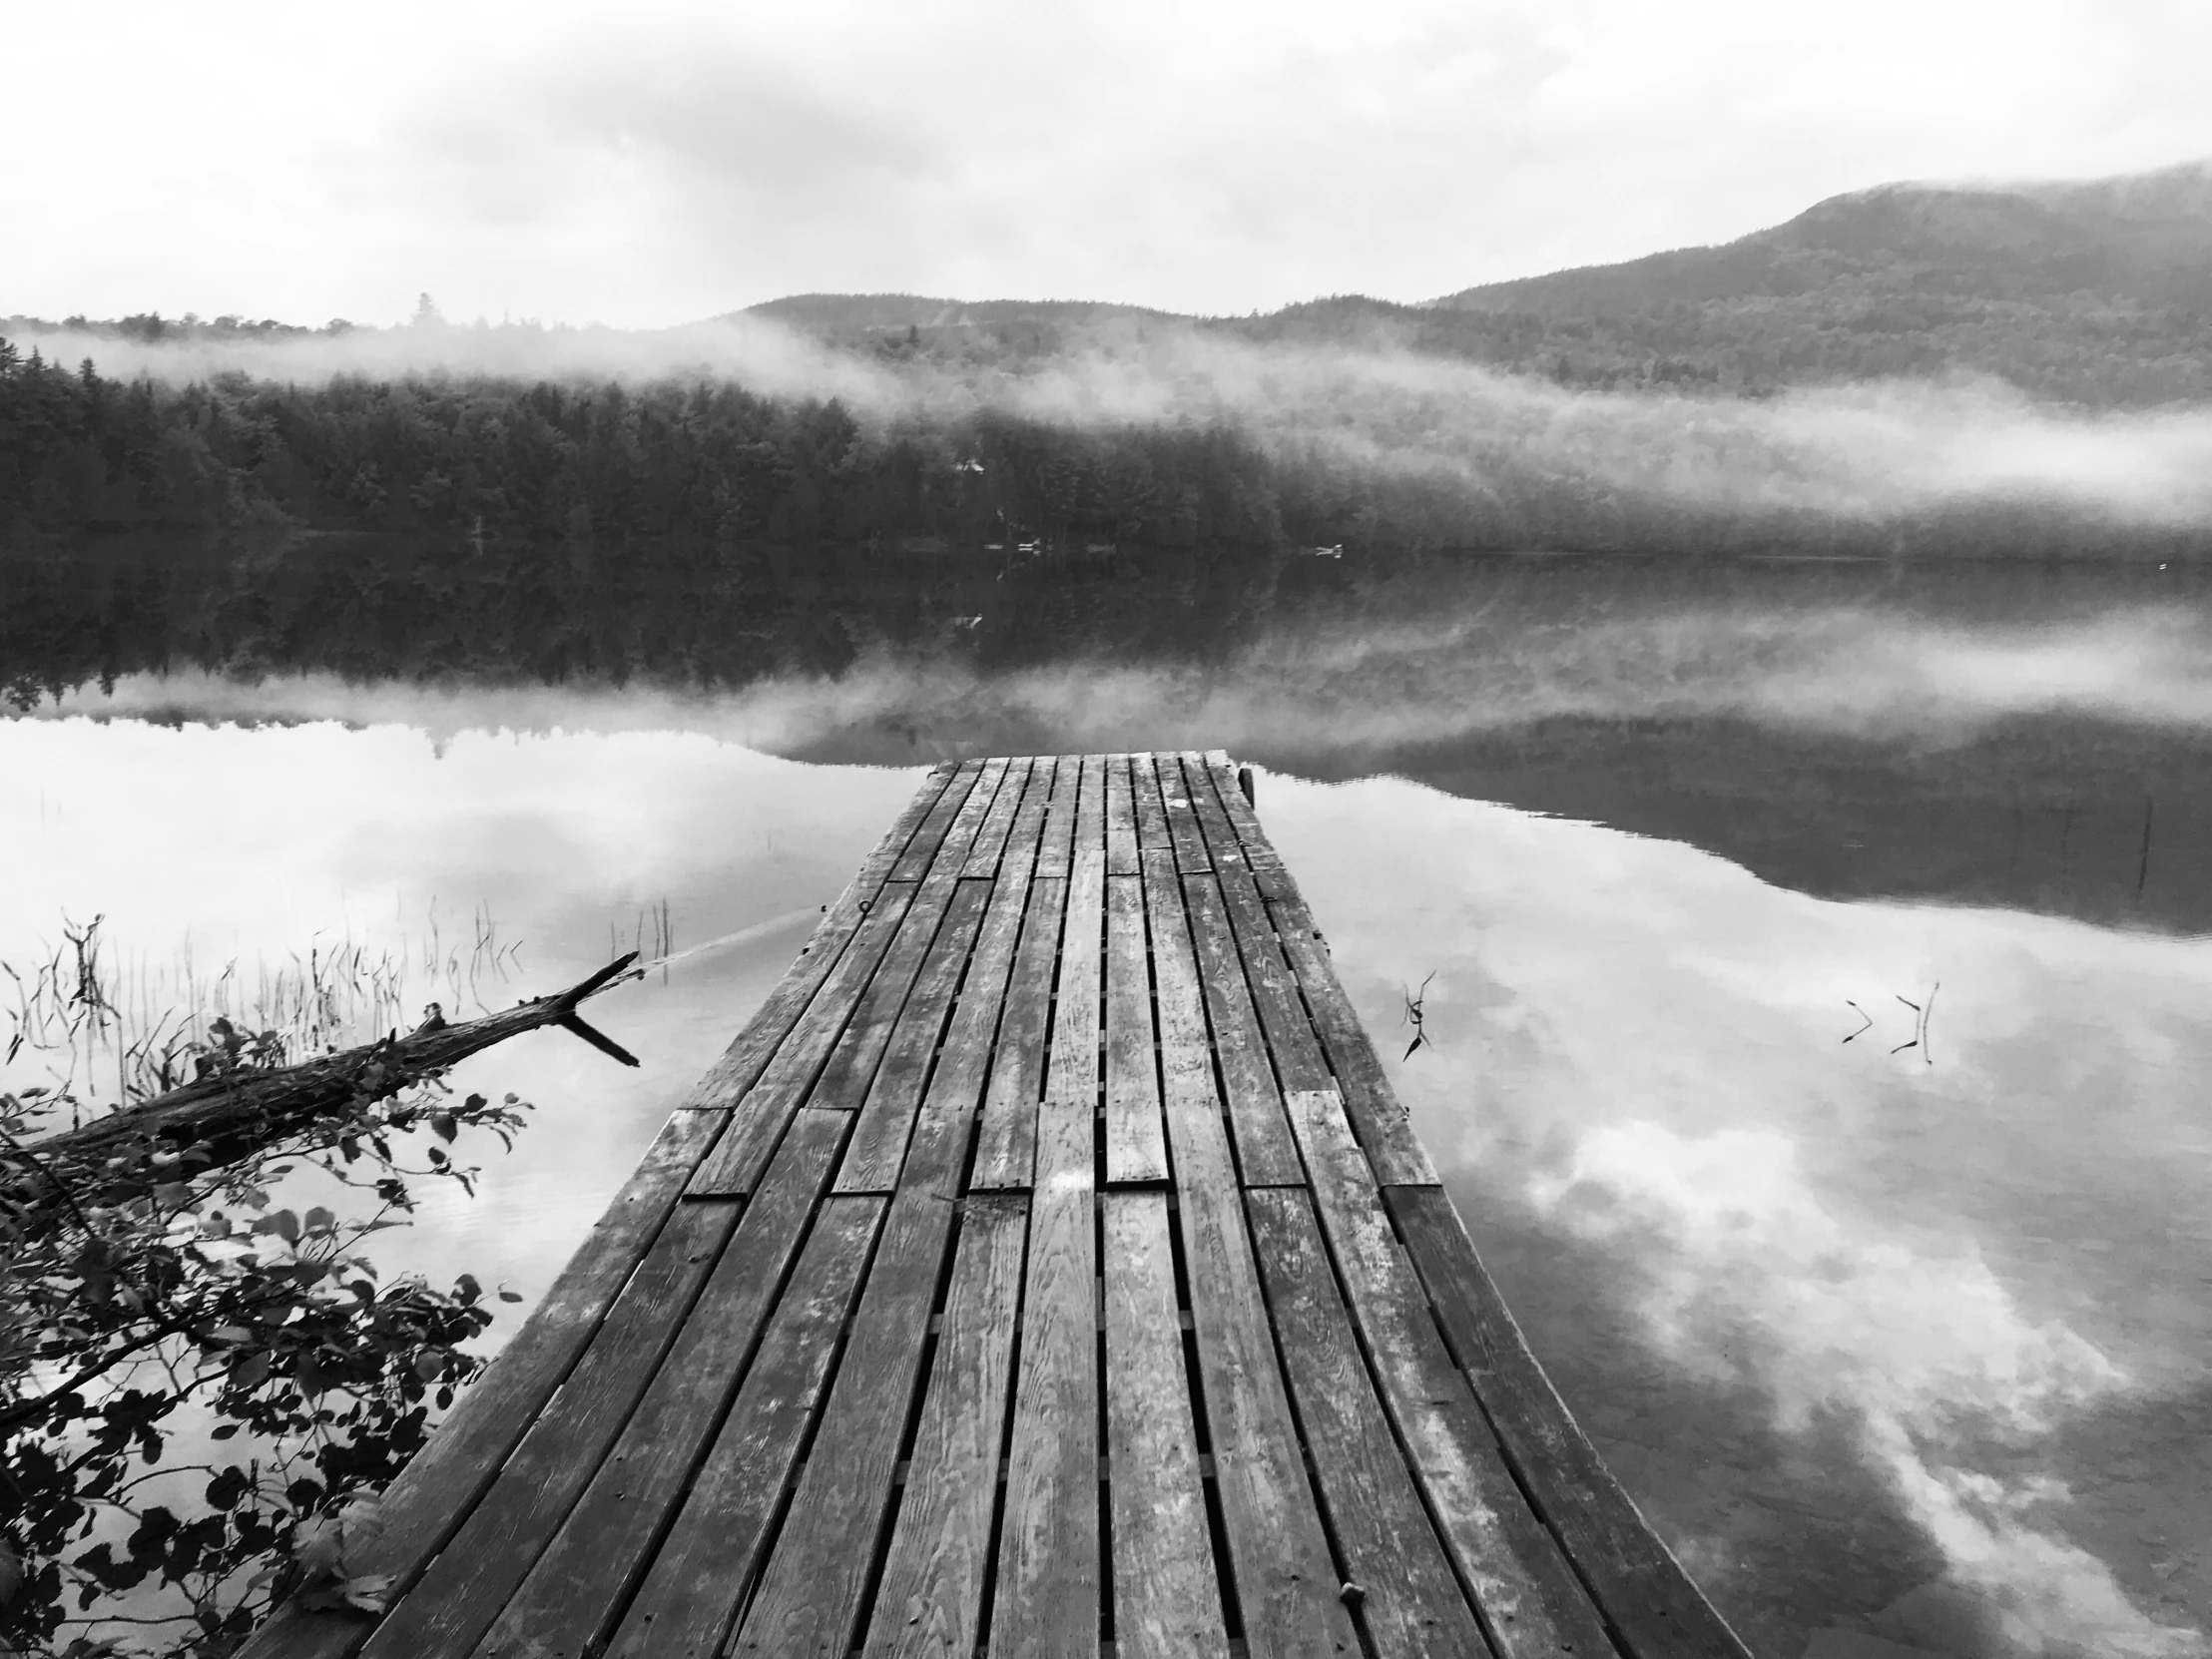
[(1365, 687), (1861, 452)]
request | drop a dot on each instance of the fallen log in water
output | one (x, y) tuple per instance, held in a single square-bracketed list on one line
[(218, 1119)]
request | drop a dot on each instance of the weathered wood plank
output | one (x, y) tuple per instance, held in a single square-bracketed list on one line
[(462, 1590), (465, 1589), (1005, 1150), (569, 1603), (914, 862), (1414, 1606), (1090, 811), (1047, 1596), (1284, 1578), (998, 825), (741, 1064), (1121, 819), (436, 1491), (731, 1169), (1184, 832), (1259, 853), (709, 1559), (1529, 1598), (809, 1601), (1384, 1133), (1647, 1598), (930, 1598), (878, 1141), (958, 845), (1223, 846), (1060, 825), (1166, 1600), (1072, 1071), (1136, 1139), (1152, 818), (1266, 1153), (1292, 1044)]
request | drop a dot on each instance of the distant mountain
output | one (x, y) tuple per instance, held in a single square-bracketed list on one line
[(2096, 294), (2140, 241)]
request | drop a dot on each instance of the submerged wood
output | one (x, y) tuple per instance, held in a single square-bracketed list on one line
[(226, 1116)]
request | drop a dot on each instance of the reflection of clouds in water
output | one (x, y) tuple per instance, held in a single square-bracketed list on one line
[(1754, 1279), (1643, 1042), (1364, 687)]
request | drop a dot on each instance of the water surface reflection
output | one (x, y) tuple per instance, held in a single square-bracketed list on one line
[(1848, 1318)]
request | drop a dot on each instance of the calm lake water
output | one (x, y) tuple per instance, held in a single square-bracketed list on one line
[(1907, 1341)]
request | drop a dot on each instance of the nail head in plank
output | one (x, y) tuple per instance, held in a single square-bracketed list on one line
[(1647, 1598), (577, 1592), (761, 1118), (435, 1494), (1047, 1596), (1166, 1600), (1413, 1605), (1512, 1567), (1136, 1140), (931, 1597), (1279, 1555)]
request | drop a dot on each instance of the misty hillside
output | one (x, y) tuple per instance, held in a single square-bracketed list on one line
[(2096, 294), (2142, 242)]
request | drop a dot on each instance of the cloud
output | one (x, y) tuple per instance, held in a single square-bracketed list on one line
[(574, 159)]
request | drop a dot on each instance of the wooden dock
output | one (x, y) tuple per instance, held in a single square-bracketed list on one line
[(1046, 1270)]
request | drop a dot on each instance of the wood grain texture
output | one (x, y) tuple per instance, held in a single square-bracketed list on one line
[(1222, 845), (1136, 1139), (672, 1466), (1152, 816), (1091, 813), (930, 1602), (809, 1601), (1292, 1043), (435, 1492), (1006, 1143), (1167, 1604), (1047, 1596), (1285, 1581), (1121, 819), (470, 1583), (1266, 1151), (878, 1141), (958, 846), (1184, 832), (742, 1062), (997, 826), (461, 1591), (1072, 1068), (1526, 1591), (1414, 1606), (1652, 1605), (1058, 837), (761, 1118), (920, 852)]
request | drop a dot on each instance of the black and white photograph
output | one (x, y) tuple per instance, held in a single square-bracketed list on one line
[(1101, 830)]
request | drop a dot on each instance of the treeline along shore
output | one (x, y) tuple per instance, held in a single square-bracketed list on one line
[(693, 529)]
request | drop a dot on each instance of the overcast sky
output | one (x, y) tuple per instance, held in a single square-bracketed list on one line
[(651, 162)]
